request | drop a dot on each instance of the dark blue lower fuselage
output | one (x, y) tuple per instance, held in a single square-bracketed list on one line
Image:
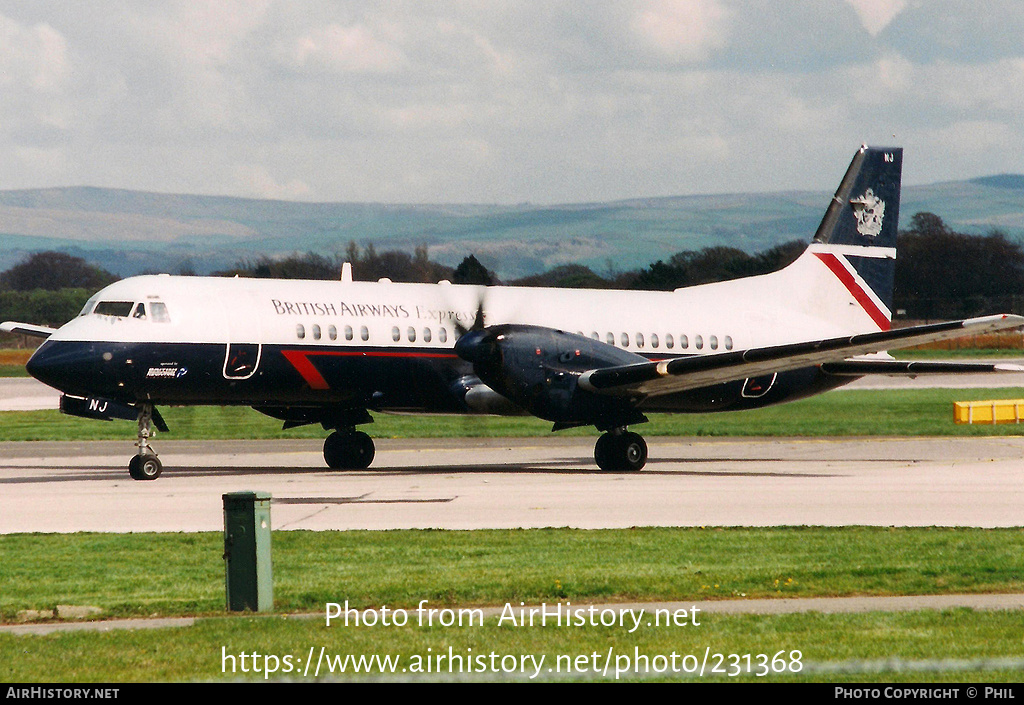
[(376, 378)]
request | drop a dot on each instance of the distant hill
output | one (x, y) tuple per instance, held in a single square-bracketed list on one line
[(128, 232)]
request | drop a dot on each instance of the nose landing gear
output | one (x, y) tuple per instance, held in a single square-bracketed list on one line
[(145, 465)]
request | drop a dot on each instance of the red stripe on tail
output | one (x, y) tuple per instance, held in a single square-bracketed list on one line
[(843, 274)]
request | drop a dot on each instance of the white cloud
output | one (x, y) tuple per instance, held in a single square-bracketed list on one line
[(492, 100), (877, 14), (682, 30), (355, 48), (32, 57)]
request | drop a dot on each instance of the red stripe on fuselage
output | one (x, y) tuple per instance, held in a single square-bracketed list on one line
[(843, 274), (301, 362)]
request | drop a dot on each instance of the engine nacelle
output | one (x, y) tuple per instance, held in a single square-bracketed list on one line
[(538, 369), (481, 399)]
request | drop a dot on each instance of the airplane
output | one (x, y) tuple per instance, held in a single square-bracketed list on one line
[(307, 352)]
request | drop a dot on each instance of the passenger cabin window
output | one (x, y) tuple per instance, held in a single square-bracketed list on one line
[(121, 309)]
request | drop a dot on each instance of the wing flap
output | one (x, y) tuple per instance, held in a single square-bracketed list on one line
[(913, 368), (681, 374)]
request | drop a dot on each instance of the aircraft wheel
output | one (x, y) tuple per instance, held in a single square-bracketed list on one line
[(633, 451), (348, 451), (603, 452), (145, 467), (625, 452)]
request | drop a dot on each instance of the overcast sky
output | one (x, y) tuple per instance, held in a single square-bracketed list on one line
[(502, 101)]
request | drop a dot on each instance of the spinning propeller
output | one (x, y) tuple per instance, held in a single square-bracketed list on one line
[(475, 344)]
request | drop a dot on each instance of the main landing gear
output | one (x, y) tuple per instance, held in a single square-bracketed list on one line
[(348, 449), (620, 450), (145, 465)]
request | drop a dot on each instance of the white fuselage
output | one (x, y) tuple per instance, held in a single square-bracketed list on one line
[(802, 302)]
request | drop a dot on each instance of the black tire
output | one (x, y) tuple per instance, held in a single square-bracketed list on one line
[(145, 467), (604, 453), (334, 451), (626, 452), (348, 451), (632, 452), (361, 451)]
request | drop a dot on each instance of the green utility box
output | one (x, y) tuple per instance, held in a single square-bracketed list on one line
[(248, 576)]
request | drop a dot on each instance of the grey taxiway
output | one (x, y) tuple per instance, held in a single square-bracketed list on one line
[(509, 483), (512, 483)]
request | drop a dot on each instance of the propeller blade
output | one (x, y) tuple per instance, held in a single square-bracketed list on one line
[(478, 318)]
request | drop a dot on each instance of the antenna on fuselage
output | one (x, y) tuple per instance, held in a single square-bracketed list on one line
[(346, 272)]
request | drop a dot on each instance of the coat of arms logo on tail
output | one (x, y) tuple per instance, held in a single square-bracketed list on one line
[(869, 210)]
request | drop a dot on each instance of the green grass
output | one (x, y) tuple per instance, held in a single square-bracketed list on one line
[(199, 653), (174, 574), (919, 412), (12, 362), (177, 574)]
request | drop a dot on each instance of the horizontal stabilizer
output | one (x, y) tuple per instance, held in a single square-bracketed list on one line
[(26, 329)]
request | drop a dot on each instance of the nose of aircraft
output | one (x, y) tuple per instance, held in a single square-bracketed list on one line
[(76, 368), (52, 366)]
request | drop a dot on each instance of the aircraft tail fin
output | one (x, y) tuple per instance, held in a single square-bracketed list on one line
[(856, 239), (865, 209)]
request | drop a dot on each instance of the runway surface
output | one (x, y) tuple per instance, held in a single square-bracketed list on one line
[(503, 483), (26, 394)]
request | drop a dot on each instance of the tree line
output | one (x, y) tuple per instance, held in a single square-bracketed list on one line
[(940, 273)]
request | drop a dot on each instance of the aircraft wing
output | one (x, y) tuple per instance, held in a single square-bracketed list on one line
[(26, 329), (669, 376)]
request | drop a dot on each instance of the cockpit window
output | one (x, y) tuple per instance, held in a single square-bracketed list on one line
[(87, 309), (140, 312), (122, 309), (159, 313)]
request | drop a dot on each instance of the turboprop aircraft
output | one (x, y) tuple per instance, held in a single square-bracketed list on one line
[(330, 353)]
